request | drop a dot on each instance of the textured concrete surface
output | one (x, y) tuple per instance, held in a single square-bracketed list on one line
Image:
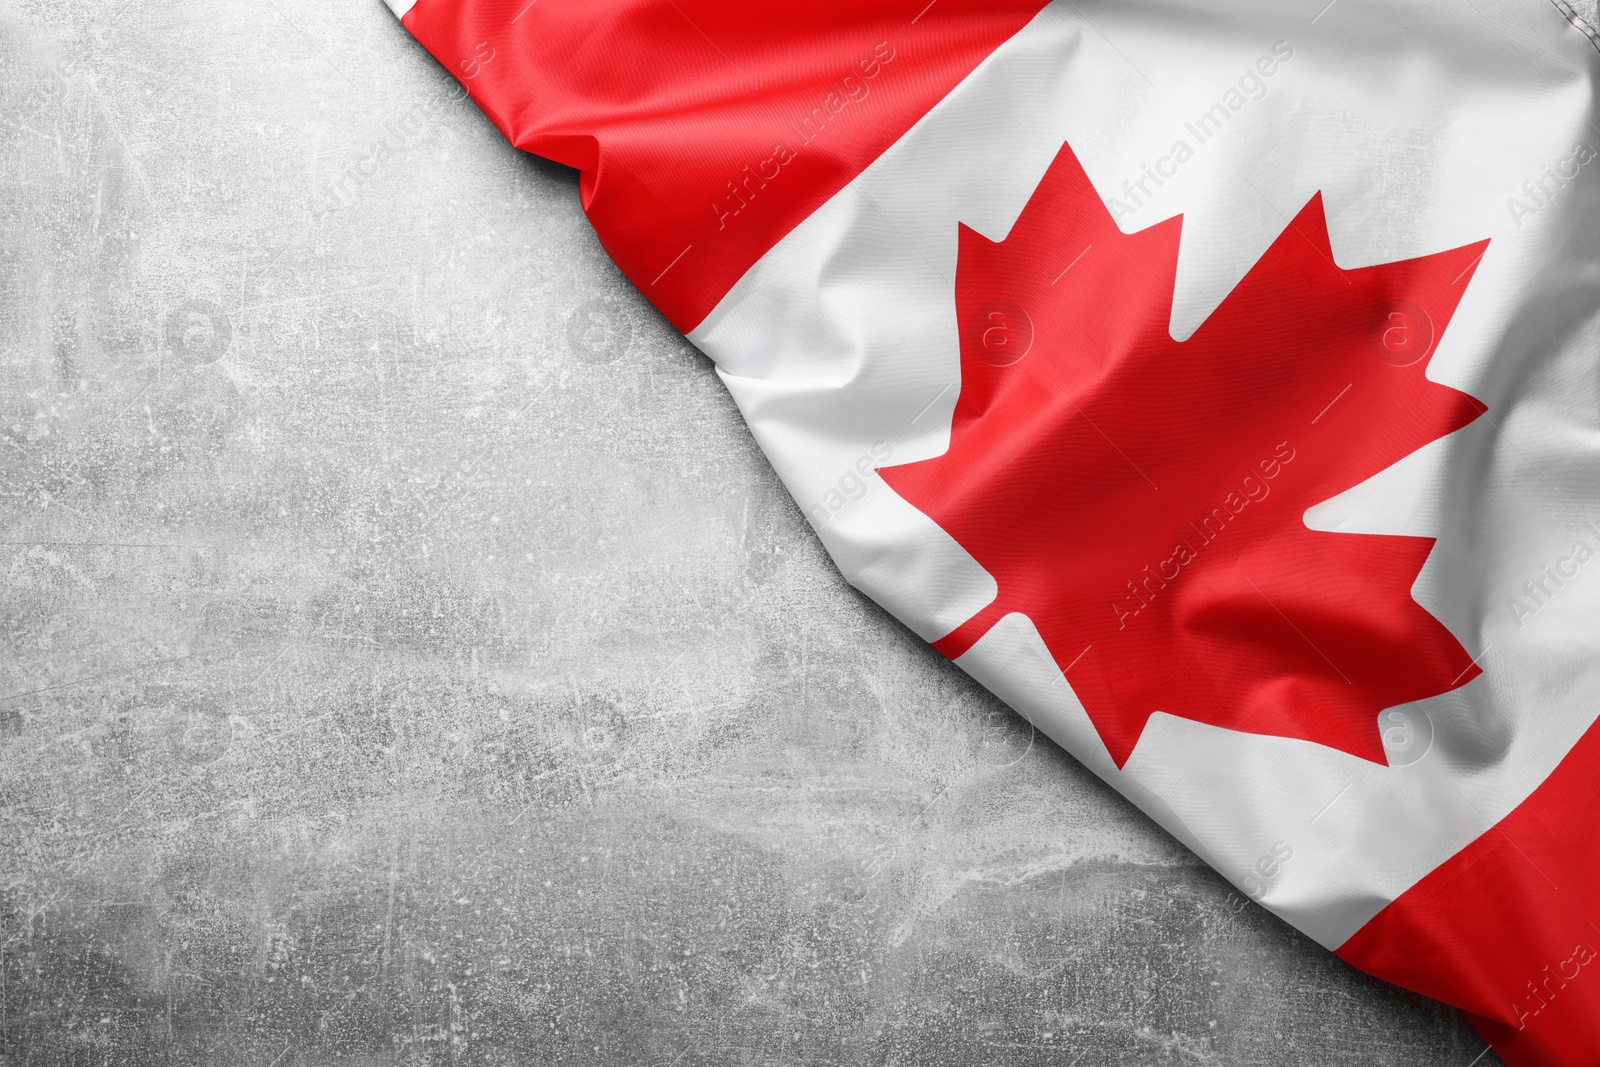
[(409, 659)]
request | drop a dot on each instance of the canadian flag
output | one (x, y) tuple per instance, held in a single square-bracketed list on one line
[(1213, 380)]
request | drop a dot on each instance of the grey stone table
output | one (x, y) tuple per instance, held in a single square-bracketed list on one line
[(408, 658)]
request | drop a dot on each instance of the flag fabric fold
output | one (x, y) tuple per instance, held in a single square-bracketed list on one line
[(1212, 380)]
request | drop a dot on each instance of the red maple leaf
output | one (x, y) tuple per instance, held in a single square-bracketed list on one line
[(1142, 499)]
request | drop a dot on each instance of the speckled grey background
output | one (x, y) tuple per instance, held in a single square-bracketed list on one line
[(409, 658)]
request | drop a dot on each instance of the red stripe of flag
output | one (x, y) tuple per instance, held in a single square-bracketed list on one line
[(1509, 928)]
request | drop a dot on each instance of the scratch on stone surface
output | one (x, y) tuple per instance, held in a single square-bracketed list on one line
[(116, 672)]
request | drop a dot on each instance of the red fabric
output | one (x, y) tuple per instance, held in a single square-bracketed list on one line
[(1142, 499), (1509, 928), (706, 130)]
